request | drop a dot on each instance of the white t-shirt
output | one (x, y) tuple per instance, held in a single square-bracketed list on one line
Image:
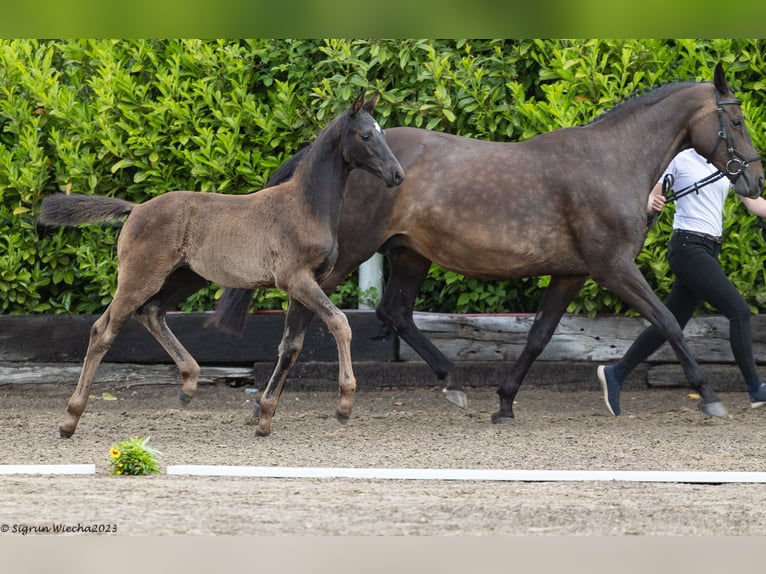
[(703, 211)]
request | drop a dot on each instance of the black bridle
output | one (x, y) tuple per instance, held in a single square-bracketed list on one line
[(735, 165)]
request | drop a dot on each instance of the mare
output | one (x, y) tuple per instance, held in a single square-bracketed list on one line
[(570, 203), (283, 236)]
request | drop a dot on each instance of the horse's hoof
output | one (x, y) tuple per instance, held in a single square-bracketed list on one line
[(458, 398), (260, 432), (341, 418), (184, 398), (64, 433), (715, 409), (502, 418)]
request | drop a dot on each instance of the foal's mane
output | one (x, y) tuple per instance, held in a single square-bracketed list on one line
[(648, 97), (288, 169)]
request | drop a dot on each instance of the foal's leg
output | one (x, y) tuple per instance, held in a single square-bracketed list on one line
[(297, 321), (407, 273), (626, 281), (179, 285), (557, 296), (306, 290), (102, 334), (152, 316), (133, 290)]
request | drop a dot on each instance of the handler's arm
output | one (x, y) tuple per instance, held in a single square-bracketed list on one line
[(755, 206)]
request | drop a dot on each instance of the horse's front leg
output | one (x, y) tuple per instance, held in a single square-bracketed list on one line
[(557, 296), (627, 283), (297, 320), (312, 297)]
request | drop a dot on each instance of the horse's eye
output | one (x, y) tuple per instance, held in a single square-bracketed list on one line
[(737, 122), (366, 137)]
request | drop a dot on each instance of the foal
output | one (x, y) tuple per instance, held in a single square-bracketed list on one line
[(283, 236)]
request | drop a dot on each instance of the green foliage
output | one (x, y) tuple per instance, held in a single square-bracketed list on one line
[(133, 458), (137, 118)]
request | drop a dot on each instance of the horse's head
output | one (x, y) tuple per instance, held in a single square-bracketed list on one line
[(364, 143), (723, 139)]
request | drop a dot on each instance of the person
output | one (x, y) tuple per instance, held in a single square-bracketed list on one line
[(693, 257)]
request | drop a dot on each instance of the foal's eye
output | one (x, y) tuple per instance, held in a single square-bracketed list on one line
[(366, 137)]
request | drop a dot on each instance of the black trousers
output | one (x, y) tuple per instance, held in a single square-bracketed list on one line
[(698, 278)]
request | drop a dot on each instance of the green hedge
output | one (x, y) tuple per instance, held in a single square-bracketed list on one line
[(137, 118)]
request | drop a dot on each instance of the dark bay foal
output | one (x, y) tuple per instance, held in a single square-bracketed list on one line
[(283, 236)]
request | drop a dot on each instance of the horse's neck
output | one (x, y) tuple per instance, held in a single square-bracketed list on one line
[(323, 177), (658, 132)]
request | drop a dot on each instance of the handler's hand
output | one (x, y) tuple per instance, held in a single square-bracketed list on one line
[(656, 203)]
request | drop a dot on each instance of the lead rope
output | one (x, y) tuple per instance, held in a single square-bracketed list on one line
[(668, 181), (670, 195)]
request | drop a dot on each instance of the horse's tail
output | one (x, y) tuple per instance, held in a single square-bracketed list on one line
[(231, 311), (62, 209)]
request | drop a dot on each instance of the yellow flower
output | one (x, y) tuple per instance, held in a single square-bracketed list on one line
[(114, 452)]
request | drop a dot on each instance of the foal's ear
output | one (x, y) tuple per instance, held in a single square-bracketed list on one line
[(370, 104), (719, 80), (358, 103)]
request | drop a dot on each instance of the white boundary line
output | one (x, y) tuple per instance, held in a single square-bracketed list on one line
[(47, 469), (701, 477), (705, 477)]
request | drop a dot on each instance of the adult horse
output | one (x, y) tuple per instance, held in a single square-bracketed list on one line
[(568, 203), (284, 236)]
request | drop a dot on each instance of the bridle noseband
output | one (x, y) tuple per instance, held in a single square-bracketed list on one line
[(735, 165), (737, 161)]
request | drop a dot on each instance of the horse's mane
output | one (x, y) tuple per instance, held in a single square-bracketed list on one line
[(286, 171), (648, 96)]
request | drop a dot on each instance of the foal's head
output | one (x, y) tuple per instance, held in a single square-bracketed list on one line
[(722, 137), (364, 144)]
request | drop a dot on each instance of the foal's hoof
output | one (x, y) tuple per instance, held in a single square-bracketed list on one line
[(502, 418), (64, 433), (341, 418), (458, 398), (713, 409), (184, 398)]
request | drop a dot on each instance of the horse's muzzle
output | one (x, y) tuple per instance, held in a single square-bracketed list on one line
[(396, 177)]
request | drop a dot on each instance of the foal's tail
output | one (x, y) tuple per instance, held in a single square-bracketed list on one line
[(63, 209), (230, 313)]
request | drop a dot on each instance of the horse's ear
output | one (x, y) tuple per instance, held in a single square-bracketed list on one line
[(358, 103), (370, 104), (719, 80)]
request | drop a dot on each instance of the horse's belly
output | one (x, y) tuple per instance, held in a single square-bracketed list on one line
[(235, 274), (506, 261)]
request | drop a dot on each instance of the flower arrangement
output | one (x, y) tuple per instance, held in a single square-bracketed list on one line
[(133, 457)]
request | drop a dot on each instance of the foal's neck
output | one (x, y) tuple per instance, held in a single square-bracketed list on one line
[(323, 175)]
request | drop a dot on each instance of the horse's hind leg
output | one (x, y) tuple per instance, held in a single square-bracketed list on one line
[(102, 335), (407, 273), (178, 286), (152, 316), (557, 296)]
